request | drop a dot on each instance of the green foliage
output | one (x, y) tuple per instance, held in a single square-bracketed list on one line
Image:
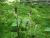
[(32, 21), (2, 0)]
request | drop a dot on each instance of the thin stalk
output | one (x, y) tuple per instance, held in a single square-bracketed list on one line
[(17, 22)]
